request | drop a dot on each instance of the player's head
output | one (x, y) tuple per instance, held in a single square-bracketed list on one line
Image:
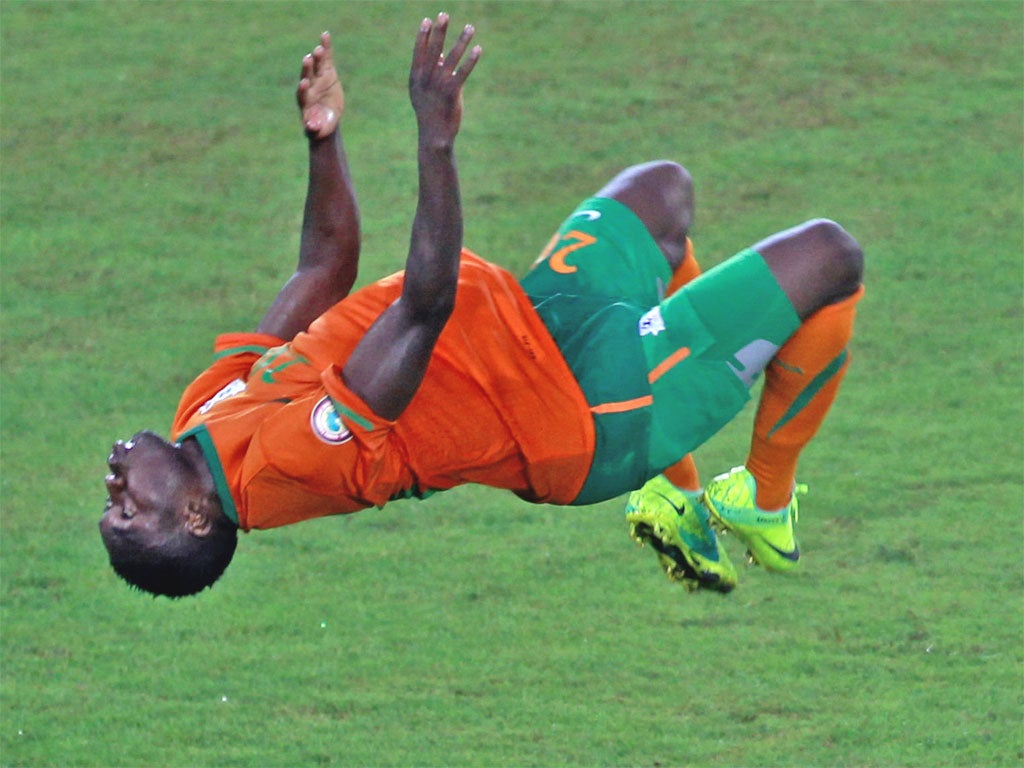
[(163, 526)]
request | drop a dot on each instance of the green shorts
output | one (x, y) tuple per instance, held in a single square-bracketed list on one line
[(661, 377), (602, 250)]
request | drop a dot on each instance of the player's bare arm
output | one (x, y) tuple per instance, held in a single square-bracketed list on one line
[(387, 366), (330, 240), (435, 89)]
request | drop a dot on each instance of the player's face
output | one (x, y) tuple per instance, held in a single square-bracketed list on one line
[(147, 486)]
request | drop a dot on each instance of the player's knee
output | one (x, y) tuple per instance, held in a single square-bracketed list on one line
[(669, 187), (658, 173), (660, 193), (840, 252), (667, 176)]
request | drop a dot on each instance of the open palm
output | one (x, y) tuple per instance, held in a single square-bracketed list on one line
[(319, 94)]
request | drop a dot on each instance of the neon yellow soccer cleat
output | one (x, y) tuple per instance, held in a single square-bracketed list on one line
[(678, 527), (768, 536)]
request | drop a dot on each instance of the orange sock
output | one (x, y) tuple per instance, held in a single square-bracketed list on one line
[(687, 270), (800, 384), (683, 474)]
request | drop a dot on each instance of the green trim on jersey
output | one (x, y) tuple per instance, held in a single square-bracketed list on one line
[(413, 493), (202, 436), (347, 413)]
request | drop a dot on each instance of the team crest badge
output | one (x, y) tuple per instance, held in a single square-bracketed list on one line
[(327, 424)]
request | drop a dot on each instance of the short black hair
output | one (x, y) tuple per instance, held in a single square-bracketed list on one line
[(182, 565)]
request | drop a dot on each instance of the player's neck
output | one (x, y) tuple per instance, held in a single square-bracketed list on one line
[(197, 460)]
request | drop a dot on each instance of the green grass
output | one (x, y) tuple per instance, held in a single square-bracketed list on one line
[(151, 189)]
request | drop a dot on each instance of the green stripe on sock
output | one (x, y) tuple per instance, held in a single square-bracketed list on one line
[(808, 393)]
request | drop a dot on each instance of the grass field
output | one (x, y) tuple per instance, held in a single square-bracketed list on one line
[(152, 180)]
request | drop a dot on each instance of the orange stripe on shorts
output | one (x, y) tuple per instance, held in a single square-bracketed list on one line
[(663, 367), (623, 405)]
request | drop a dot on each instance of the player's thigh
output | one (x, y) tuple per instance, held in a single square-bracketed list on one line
[(705, 346)]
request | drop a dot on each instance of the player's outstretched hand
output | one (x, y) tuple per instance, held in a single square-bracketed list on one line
[(319, 94), (436, 80)]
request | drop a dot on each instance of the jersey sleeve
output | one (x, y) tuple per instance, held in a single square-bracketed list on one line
[(233, 356), (324, 452)]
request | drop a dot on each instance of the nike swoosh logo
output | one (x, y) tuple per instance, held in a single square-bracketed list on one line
[(792, 555), (692, 542), (589, 214)]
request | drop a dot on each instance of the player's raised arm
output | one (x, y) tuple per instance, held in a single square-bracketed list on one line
[(435, 88), (329, 246), (387, 366)]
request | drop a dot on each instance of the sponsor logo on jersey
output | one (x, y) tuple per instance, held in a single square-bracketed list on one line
[(327, 424), (652, 323), (229, 390)]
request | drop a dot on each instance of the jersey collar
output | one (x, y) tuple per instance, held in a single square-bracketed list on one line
[(202, 436)]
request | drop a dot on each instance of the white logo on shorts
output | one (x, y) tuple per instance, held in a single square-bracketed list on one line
[(652, 323), (591, 215), (753, 357), (327, 424)]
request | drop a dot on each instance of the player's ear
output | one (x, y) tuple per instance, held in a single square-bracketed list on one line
[(199, 520)]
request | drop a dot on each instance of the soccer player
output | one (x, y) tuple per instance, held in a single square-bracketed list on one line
[(593, 376)]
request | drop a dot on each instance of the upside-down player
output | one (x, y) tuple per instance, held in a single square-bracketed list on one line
[(594, 375)]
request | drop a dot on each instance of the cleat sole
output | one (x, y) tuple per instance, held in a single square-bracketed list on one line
[(677, 566)]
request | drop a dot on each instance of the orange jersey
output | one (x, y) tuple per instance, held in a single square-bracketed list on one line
[(288, 441)]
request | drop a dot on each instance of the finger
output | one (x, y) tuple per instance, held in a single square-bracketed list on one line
[(435, 43), (302, 94), (419, 51), (452, 59), (466, 67), (303, 87), (325, 43), (318, 60)]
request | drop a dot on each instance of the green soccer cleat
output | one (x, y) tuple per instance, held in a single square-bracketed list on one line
[(676, 524), (768, 536)]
